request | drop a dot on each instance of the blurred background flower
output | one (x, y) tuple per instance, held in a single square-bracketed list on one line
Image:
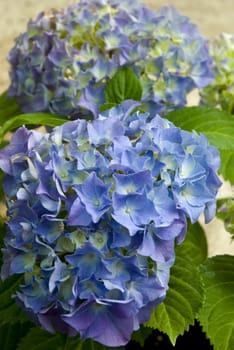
[(220, 92), (63, 61)]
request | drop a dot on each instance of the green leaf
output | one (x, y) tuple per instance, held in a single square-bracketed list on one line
[(11, 334), (10, 312), (217, 125), (8, 107), (29, 119), (227, 165), (124, 85), (92, 345), (38, 339), (106, 106), (184, 296), (2, 235), (2, 196), (217, 313), (194, 248), (141, 335)]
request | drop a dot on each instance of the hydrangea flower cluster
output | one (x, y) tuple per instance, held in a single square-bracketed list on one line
[(220, 92), (62, 63), (95, 209)]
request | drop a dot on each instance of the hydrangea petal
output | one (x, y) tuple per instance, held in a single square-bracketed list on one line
[(109, 324)]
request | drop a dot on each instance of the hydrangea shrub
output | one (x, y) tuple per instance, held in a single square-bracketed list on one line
[(94, 212), (219, 93), (61, 64)]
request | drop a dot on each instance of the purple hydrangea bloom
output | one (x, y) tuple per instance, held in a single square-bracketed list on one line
[(62, 63), (94, 215)]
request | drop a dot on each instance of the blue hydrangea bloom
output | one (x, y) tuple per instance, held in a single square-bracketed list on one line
[(95, 210), (61, 64)]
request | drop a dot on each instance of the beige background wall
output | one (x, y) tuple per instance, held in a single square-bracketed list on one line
[(212, 17)]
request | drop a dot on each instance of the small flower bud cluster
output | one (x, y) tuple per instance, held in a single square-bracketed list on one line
[(219, 93)]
